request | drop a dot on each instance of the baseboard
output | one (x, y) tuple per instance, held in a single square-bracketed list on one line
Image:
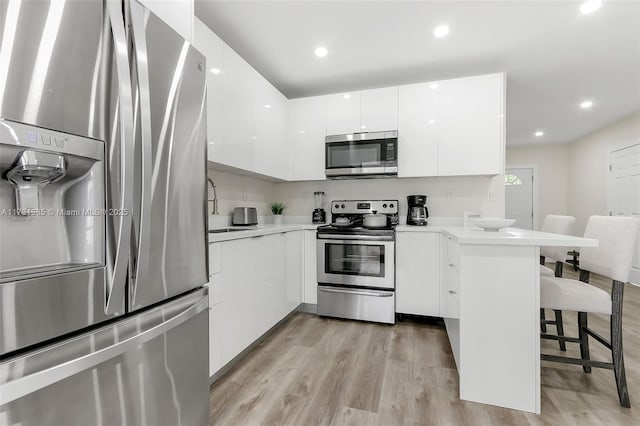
[(634, 276), (309, 308)]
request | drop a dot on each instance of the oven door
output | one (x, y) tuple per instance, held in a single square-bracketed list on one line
[(361, 154), (363, 262)]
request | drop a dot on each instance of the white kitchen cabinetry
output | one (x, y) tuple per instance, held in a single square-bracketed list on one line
[(270, 143), (379, 109), (471, 126), (418, 130), (293, 271), (309, 130), (343, 113), (215, 311), (178, 14), (310, 292), (450, 283), (212, 47), (239, 129), (418, 273)]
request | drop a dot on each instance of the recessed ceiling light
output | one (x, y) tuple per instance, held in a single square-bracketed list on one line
[(539, 133), (434, 86), (590, 6), (431, 121), (301, 131), (586, 104), (363, 127), (441, 31), (267, 106), (321, 51), (215, 70), (347, 95)]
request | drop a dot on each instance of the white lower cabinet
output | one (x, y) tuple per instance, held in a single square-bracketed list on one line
[(450, 285), (418, 273), (310, 288), (254, 283)]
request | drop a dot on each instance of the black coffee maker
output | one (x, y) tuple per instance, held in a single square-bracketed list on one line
[(417, 213)]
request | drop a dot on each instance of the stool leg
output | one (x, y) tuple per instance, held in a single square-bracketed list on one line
[(560, 329), (543, 326), (616, 345), (584, 339)]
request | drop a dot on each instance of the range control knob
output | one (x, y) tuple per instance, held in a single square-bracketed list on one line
[(342, 206), (391, 205), (384, 206), (337, 206)]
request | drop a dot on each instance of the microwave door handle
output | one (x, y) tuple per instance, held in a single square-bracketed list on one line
[(144, 93), (115, 291)]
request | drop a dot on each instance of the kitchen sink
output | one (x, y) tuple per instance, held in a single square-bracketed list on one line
[(223, 230)]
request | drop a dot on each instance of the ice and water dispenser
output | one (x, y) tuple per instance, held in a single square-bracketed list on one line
[(52, 202)]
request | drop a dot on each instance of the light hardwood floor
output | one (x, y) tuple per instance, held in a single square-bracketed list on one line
[(318, 371)]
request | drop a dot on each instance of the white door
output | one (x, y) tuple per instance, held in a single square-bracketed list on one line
[(519, 197), (624, 192)]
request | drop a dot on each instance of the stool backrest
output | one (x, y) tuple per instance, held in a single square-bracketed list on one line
[(614, 255), (557, 224)]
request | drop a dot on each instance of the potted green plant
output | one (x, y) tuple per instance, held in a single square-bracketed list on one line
[(277, 209)]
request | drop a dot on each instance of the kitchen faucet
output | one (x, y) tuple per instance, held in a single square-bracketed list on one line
[(214, 210)]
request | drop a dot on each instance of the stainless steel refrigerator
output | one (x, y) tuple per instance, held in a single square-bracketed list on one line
[(103, 237)]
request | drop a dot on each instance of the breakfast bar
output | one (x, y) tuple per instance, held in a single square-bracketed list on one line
[(492, 299)]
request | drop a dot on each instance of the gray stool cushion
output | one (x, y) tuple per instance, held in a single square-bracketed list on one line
[(546, 271)]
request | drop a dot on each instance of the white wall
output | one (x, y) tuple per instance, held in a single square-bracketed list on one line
[(588, 167), (236, 190), (550, 163), (447, 196)]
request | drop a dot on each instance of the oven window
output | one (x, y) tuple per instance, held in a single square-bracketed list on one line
[(354, 259), (354, 154)]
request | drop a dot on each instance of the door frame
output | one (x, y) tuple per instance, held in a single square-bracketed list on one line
[(534, 195)]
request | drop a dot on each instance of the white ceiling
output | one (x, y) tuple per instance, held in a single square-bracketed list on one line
[(554, 56)]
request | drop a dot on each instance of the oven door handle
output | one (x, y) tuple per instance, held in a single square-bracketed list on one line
[(357, 292), (356, 237)]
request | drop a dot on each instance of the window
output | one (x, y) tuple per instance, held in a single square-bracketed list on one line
[(512, 180)]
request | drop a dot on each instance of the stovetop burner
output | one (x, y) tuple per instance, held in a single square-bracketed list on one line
[(354, 211)]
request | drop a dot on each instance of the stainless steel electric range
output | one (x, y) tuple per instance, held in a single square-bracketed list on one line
[(356, 264)]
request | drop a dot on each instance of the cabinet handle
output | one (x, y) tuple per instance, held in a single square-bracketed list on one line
[(451, 265), (453, 292)]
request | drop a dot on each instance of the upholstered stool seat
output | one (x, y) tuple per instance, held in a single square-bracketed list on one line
[(546, 271), (571, 295)]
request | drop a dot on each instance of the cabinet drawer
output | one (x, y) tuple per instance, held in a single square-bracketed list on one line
[(453, 304), (453, 253), (215, 258)]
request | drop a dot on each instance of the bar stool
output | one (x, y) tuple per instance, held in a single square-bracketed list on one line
[(556, 224), (613, 259)]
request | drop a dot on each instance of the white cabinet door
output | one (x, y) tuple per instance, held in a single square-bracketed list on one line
[(310, 128), (212, 47), (470, 126), (379, 109), (239, 130), (293, 268), (418, 273), (418, 130), (450, 278), (310, 293), (270, 112), (238, 297), (178, 14), (343, 113)]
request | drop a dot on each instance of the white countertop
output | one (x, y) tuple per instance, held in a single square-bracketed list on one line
[(257, 231), (516, 237)]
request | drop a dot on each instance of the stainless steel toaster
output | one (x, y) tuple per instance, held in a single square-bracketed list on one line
[(245, 216)]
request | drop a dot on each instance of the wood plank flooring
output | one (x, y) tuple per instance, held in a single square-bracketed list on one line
[(318, 371)]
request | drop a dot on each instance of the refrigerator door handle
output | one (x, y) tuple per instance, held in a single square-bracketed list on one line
[(144, 93), (117, 281), (22, 386)]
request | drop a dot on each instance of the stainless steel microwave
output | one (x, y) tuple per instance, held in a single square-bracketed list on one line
[(369, 154)]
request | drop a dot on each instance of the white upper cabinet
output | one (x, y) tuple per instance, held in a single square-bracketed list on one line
[(418, 130), (212, 47), (471, 126), (177, 13), (239, 130), (379, 109), (343, 113), (309, 130), (270, 143)]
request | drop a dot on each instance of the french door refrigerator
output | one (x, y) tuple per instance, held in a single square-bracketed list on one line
[(103, 248)]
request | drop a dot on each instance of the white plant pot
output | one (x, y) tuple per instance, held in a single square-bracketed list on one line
[(277, 219)]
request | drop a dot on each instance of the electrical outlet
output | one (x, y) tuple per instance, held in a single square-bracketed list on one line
[(491, 195), (450, 194), (244, 195)]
